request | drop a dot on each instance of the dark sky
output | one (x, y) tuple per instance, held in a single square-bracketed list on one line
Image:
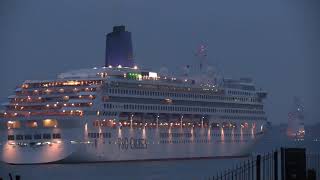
[(275, 42)]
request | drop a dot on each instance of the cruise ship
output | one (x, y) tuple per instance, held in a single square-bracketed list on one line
[(121, 112)]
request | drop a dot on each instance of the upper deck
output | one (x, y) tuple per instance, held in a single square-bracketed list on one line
[(75, 91)]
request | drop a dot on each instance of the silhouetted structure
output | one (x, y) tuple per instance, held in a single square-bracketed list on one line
[(293, 163), (119, 48)]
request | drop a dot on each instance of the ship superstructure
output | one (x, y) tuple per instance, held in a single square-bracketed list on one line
[(127, 114)]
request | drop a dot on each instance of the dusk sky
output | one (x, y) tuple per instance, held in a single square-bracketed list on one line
[(275, 42)]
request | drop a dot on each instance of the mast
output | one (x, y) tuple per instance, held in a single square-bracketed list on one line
[(201, 53)]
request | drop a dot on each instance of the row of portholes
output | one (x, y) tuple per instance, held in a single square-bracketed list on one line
[(35, 136)]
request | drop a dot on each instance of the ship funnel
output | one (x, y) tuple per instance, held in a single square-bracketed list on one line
[(119, 48)]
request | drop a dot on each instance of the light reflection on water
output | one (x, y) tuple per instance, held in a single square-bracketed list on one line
[(156, 170)]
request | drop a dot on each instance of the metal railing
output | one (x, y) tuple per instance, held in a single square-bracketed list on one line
[(269, 166), (261, 167)]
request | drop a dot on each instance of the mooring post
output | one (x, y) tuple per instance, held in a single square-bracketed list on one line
[(258, 166), (282, 163), (10, 176), (275, 165)]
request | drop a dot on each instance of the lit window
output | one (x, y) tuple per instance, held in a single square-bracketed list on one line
[(168, 101), (50, 123), (31, 124), (71, 83), (13, 124)]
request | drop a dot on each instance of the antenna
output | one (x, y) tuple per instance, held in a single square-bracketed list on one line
[(208, 70), (201, 53)]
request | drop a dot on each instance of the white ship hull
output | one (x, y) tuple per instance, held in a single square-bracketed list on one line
[(127, 144)]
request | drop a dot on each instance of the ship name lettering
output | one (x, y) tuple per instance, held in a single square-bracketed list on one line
[(132, 143)]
